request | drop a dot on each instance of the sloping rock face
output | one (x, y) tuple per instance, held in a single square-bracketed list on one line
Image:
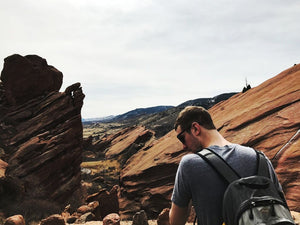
[(265, 117), (128, 142), (40, 131), (122, 144), (148, 177)]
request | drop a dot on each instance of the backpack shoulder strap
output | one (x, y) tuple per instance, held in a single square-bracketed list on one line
[(262, 165), (219, 165)]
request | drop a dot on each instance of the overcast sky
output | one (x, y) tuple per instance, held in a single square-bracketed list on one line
[(131, 54)]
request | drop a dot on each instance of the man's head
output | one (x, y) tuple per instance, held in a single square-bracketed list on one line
[(194, 114), (190, 125)]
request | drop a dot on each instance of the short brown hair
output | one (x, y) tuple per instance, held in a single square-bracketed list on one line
[(192, 114)]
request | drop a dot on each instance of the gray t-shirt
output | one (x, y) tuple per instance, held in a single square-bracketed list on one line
[(196, 180)]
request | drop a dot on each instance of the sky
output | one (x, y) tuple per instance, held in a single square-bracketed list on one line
[(130, 54)]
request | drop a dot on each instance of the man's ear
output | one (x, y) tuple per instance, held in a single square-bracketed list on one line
[(196, 128)]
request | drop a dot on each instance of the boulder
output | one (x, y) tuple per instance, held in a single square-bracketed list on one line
[(140, 218), (107, 202), (28, 77), (111, 219), (15, 220)]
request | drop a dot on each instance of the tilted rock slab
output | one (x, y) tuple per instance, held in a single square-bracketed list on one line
[(41, 133), (265, 117)]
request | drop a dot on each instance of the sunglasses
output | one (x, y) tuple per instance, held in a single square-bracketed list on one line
[(181, 137)]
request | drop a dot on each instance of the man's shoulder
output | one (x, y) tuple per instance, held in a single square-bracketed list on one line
[(190, 159)]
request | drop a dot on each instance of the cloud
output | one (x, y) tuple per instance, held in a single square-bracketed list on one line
[(139, 53)]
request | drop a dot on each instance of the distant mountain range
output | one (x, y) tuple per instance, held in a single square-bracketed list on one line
[(98, 119), (158, 118), (128, 115)]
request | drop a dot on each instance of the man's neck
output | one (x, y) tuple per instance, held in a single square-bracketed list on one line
[(215, 138)]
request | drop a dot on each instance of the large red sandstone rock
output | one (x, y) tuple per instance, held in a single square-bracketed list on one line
[(41, 137), (264, 117), (28, 77)]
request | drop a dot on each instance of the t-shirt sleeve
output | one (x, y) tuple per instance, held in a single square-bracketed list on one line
[(181, 193)]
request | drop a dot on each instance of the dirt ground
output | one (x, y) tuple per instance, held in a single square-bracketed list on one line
[(150, 222)]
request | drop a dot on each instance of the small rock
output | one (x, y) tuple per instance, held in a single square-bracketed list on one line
[(140, 218), (15, 220), (67, 208), (85, 218), (93, 204), (53, 220), (71, 219), (84, 209), (163, 217), (111, 219)]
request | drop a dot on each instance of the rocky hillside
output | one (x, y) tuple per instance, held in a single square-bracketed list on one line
[(40, 136), (265, 117)]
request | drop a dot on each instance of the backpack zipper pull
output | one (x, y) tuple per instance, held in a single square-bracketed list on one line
[(251, 217), (273, 213)]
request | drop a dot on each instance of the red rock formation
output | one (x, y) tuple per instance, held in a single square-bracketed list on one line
[(40, 131), (28, 77), (264, 117)]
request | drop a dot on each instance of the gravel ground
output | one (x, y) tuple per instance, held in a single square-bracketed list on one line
[(150, 222)]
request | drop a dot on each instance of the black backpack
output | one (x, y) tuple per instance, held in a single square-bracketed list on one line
[(249, 200)]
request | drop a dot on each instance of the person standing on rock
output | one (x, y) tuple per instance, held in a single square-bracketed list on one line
[(196, 183)]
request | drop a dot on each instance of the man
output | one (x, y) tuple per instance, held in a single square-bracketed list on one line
[(196, 182)]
